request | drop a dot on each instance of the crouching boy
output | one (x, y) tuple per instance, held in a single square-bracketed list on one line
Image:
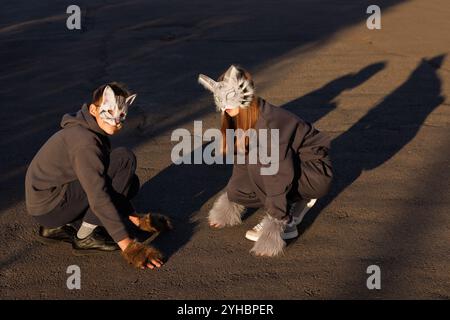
[(75, 176)]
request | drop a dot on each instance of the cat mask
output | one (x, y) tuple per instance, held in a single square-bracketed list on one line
[(114, 109), (234, 91)]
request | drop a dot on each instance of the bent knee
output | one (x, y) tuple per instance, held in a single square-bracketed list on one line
[(125, 155), (316, 190), (316, 179)]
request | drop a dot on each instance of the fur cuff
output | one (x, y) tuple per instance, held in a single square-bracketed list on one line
[(225, 213), (270, 243), (154, 222), (138, 255)]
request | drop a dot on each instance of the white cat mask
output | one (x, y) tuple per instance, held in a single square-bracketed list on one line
[(234, 91), (114, 109)]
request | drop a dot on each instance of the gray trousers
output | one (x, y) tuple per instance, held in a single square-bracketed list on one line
[(312, 180)]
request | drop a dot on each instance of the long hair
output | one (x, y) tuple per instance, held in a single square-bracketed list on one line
[(246, 119)]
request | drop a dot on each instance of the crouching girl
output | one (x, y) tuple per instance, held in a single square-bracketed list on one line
[(304, 171)]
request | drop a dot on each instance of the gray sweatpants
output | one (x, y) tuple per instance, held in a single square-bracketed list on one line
[(312, 180)]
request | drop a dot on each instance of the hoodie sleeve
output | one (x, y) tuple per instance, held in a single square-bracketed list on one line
[(90, 170)]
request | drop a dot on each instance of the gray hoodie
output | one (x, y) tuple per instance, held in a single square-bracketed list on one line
[(80, 151), (303, 155)]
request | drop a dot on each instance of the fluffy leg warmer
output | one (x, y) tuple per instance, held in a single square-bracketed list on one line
[(225, 213), (270, 242)]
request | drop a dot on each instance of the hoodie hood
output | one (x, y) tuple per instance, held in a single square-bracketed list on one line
[(82, 118)]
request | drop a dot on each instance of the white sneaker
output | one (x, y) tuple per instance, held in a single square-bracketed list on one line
[(254, 233), (297, 211), (290, 232), (300, 208)]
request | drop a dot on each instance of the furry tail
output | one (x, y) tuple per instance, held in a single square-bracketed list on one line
[(270, 243), (225, 213)]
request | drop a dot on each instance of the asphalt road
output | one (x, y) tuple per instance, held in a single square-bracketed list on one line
[(381, 94)]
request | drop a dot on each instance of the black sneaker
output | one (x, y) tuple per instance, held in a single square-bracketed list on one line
[(98, 240), (50, 235)]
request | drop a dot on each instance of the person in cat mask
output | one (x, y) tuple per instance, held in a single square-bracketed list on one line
[(304, 170), (75, 176)]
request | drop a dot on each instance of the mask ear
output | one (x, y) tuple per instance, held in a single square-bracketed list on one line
[(130, 99), (232, 73), (207, 82), (109, 97)]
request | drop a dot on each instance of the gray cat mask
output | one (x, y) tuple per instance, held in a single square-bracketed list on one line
[(234, 91), (114, 109)]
